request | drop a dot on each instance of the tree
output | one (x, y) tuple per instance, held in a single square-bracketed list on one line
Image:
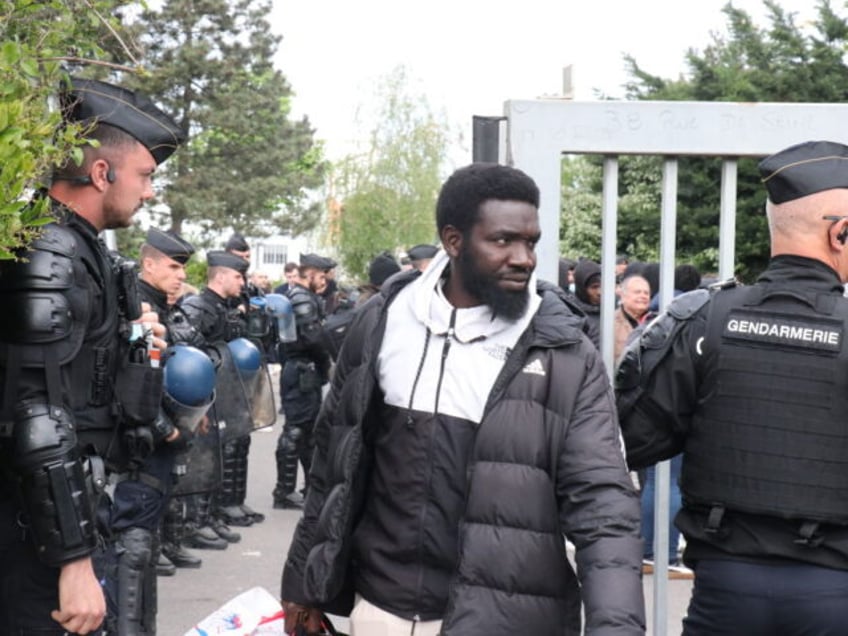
[(38, 37), (386, 195), (247, 165), (781, 62)]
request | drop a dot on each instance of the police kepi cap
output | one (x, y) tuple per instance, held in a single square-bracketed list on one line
[(170, 244), (225, 259), (92, 101), (316, 261), (237, 242), (803, 169), (421, 252)]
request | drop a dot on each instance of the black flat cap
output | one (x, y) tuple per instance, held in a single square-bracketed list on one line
[(237, 242), (420, 252), (805, 168), (316, 261), (225, 259), (91, 101), (170, 244)]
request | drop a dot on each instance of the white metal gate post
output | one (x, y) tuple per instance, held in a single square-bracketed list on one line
[(539, 132)]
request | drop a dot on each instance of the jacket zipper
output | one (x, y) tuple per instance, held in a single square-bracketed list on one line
[(445, 350)]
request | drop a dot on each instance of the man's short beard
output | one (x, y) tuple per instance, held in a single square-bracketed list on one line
[(509, 305)]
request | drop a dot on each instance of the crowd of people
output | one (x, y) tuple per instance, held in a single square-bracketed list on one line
[(468, 429)]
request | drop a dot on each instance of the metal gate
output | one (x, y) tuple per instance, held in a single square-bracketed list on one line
[(539, 132)]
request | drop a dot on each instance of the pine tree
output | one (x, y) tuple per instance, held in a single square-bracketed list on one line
[(248, 165)]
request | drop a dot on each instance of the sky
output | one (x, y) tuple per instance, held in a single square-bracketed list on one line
[(469, 56)]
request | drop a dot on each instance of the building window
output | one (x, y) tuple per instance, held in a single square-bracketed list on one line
[(274, 255)]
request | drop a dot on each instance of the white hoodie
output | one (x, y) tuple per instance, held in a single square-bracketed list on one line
[(479, 345)]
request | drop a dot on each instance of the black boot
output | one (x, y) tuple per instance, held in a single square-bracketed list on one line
[(204, 538), (180, 557), (164, 566), (223, 531)]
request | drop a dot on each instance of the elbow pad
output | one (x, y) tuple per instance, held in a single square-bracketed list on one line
[(52, 483)]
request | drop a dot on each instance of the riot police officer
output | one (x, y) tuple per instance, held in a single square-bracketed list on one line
[(305, 370), (70, 403), (260, 329), (218, 321), (163, 257), (751, 384), (140, 496)]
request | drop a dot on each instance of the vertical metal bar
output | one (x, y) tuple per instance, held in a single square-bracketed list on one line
[(609, 231), (727, 223), (668, 242)]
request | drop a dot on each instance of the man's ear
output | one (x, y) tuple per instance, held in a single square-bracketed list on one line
[(451, 240)]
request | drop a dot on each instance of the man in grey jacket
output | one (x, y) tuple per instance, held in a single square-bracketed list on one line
[(469, 429)]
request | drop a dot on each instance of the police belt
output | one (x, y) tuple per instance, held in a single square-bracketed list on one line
[(143, 478)]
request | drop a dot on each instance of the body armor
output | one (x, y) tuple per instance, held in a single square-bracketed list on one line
[(769, 435), (62, 344)]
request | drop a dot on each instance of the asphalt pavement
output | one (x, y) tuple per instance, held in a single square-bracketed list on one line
[(257, 560)]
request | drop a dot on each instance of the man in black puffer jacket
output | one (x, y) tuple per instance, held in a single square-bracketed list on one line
[(469, 429)]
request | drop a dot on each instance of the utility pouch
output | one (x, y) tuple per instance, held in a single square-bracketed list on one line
[(138, 391), (308, 379)]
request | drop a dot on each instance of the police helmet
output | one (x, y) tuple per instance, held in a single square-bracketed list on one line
[(189, 375), (246, 356)]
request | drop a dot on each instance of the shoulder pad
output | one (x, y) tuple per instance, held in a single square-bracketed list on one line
[(298, 294), (57, 239), (44, 301), (194, 305), (644, 353), (48, 264), (727, 283), (687, 305)]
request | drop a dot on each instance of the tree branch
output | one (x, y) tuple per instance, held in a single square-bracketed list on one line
[(112, 30), (82, 60)]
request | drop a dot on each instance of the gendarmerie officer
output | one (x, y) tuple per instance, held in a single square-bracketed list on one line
[(751, 384), (140, 497), (421, 255), (218, 321), (162, 259), (65, 339), (305, 370), (260, 329)]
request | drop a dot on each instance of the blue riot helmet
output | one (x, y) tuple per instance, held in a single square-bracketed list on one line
[(246, 357), (258, 302), (281, 309), (189, 375), (189, 378)]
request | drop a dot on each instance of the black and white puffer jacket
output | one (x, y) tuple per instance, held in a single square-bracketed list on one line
[(544, 463)]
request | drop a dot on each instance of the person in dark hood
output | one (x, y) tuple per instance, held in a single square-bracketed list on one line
[(587, 296)]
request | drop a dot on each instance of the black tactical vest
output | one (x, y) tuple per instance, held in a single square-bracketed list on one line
[(770, 435)]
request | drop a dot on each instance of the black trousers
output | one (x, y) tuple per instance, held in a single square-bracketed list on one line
[(734, 598)]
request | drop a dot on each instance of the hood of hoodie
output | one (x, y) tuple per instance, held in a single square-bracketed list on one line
[(582, 273), (432, 308)]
